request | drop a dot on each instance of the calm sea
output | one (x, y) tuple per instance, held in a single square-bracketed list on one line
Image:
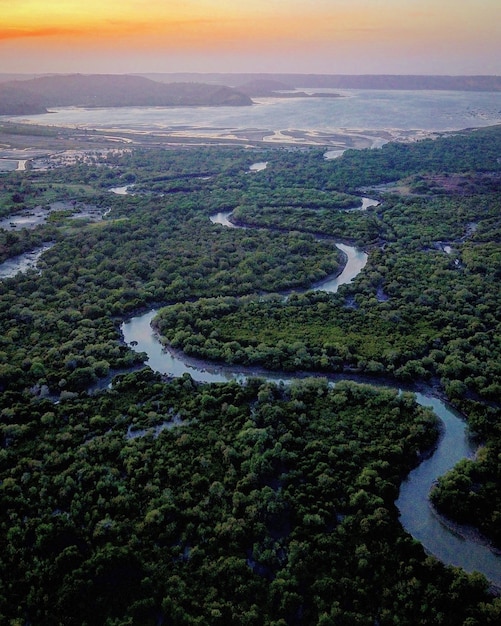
[(357, 110)]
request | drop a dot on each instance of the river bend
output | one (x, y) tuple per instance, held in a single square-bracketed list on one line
[(416, 513)]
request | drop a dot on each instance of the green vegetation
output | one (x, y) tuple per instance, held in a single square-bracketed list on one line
[(259, 505), (168, 502)]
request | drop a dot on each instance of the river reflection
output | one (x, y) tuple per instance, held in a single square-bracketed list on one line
[(356, 260)]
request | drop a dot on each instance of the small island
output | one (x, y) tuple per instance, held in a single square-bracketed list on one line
[(269, 88)]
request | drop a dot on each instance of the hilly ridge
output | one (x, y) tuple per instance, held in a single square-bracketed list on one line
[(103, 90), (34, 95), (347, 81)]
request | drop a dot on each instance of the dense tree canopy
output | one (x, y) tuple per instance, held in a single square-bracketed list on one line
[(165, 501)]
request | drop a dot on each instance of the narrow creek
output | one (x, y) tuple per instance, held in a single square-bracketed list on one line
[(416, 514), (23, 262)]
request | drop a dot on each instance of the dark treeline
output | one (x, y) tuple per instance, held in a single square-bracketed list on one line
[(175, 503)]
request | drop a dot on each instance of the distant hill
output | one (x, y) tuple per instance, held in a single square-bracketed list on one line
[(263, 87), (8, 77), (17, 100), (35, 95), (101, 90), (346, 81)]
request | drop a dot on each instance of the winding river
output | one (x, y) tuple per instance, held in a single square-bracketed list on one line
[(416, 514)]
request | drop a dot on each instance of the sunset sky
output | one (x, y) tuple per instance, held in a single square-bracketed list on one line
[(310, 36)]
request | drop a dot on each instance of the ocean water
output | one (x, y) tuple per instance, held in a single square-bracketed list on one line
[(356, 110)]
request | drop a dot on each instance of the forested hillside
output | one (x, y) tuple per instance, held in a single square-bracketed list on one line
[(347, 81), (155, 500), (101, 90)]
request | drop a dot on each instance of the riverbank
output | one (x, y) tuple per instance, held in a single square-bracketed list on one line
[(472, 535), (23, 262), (32, 218), (413, 502)]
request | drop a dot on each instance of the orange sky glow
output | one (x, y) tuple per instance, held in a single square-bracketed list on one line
[(315, 36)]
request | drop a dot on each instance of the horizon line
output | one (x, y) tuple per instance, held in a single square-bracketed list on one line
[(136, 73)]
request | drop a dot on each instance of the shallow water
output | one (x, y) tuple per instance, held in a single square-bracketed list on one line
[(23, 262), (359, 110), (418, 517)]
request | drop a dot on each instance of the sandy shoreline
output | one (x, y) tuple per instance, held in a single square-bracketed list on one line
[(200, 134), (340, 139)]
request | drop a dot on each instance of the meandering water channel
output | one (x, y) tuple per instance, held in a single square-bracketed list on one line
[(416, 514)]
